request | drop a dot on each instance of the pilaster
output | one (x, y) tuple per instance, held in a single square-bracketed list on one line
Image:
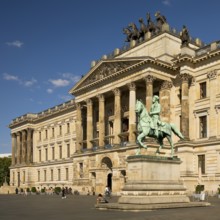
[(185, 105), (24, 146), (29, 145)]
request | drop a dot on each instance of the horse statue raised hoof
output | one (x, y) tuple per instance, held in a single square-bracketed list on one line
[(145, 130)]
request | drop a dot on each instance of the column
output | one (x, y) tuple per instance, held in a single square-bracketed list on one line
[(13, 136), (149, 90), (101, 120), (29, 145), (185, 105), (18, 146), (23, 146), (89, 123), (132, 113), (117, 118), (213, 114), (79, 128), (165, 100)]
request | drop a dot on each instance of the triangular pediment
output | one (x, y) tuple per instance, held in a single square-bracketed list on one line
[(104, 70)]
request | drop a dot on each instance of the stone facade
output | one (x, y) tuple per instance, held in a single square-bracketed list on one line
[(83, 144)]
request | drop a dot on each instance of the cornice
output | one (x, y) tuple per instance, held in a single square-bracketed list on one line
[(51, 112)]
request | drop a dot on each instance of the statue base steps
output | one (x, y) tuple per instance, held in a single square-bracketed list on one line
[(153, 183)]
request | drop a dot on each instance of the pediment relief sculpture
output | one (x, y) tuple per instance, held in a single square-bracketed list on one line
[(105, 70)]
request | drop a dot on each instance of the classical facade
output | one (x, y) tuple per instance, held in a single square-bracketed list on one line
[(84, 143)]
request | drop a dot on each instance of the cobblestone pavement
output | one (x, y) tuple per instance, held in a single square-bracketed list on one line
[(40, 207)]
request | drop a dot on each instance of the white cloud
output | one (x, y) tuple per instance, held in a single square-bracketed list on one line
[(65, 97), (72, 77), (49, 91), (9, 77), (59, 82), (166, 2), (30, 82), (15, 43)]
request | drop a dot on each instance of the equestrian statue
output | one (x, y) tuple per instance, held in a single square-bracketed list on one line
[(149, 125)]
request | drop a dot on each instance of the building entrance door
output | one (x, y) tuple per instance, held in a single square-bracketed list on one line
[(109, 181), (19, 180)]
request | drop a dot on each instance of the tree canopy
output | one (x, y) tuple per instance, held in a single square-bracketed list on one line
[(5, 163)]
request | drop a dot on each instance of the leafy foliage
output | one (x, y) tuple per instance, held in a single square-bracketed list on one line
[(5, 163)]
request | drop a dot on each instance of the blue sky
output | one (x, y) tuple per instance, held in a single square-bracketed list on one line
[(46, 45)]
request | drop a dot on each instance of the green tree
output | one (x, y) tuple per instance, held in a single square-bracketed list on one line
[(5, 163)]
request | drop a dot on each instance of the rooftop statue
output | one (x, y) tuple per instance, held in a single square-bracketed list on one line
[(150, 24), (128, 32), (135, 32), (149, 125), (160, 20), (143, 28), (184, 36)]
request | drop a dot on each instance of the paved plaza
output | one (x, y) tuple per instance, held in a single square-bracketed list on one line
[(40, 207)]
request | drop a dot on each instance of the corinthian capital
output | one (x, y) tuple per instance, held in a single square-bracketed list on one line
[(101, 97), (212, 75), (149, 79), (116, 91), (185, 77), (166, 85), (89, 101), (131, 86)]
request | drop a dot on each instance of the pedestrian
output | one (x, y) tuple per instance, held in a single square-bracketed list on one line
[(63, 193)]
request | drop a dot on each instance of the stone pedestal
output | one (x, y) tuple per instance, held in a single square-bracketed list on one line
[(153, 183), (153, 180)]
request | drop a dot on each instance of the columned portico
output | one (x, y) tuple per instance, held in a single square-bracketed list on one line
[(149, 90), (101, 120), (89, 123), (185, 105), (132, 114), (117, 113)]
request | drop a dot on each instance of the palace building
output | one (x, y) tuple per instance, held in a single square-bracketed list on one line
[(84, 143)]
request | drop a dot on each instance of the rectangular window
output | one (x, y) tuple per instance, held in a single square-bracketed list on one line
[(46, 134), (45, 175), (53, 153), (38, 175), (68, 150), (59, 175), (203, 126), (53, 133), (39, 155), (201, 164), (60, 128), (23, 176), (51, 175), (60, 151), (68, 127), (67, 174), (202, 90), (81, 170), (46, 154)]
